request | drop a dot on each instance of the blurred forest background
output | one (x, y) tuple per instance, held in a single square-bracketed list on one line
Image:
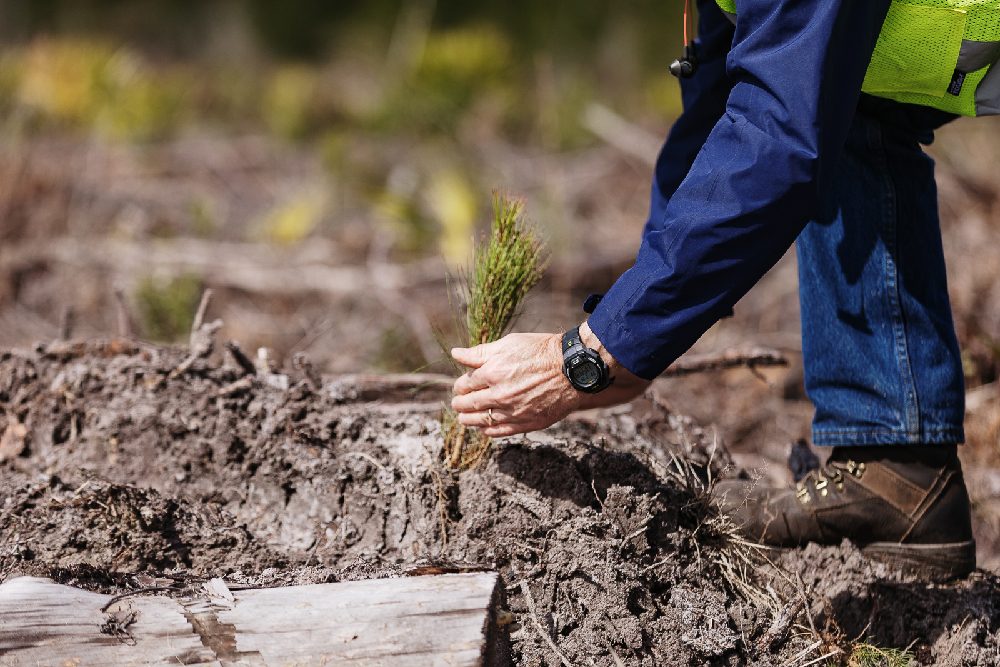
[(263, 147), (319, 165)]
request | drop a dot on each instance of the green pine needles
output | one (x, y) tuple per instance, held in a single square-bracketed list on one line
[(490, 295), (505, 267), (869, 655)]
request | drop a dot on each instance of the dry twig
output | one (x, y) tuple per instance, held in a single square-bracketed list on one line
[(66, 323), (199, 316), (805, 599), (444, 515), (803, 653), (125, 327), (201, 337), (779, 626), (368, 458), (237, 387), (241, 358), (823, 657), (138, 591)]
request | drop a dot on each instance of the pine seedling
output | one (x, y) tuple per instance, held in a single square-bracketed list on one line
[(504, 268), (490, 295), (869, 655)]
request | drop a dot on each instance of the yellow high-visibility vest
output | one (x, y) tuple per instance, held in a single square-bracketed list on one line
[(938, 53)]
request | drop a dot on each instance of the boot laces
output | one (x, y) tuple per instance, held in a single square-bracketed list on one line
[(829, 474)]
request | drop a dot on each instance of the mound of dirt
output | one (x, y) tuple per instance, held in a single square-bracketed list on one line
[(118, 471), (125, 529)]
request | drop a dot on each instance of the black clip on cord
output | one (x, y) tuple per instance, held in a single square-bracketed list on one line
[(687, 65)]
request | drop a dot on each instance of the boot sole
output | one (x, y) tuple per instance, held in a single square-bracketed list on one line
[(933, 562)]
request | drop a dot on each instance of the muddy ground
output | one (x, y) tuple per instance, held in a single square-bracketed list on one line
[(120, 473)]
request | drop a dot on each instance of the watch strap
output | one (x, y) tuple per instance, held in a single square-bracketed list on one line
[(571, 342), (572, 346)]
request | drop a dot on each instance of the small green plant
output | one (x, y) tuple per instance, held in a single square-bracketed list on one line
[(869, 655), (503, 270), (490, 294), (167, 308)]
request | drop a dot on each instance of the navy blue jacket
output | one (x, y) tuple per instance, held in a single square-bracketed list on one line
[(743, 170)]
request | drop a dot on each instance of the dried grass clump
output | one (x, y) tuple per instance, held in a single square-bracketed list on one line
[(490, 294), (739, 560), (749, 571)]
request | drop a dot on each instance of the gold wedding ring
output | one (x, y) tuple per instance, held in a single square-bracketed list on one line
[(489, 416)]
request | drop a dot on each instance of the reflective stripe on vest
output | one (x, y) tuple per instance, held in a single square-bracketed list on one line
[(938, 53)]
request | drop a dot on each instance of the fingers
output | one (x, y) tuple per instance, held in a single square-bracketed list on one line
[(473, 395), (474, 357), (515, 386), (477, 401), (470, 382), (502, 424), (485, 419), (505, 430)]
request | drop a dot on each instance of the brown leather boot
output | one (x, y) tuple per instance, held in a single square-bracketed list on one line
[(903, 505)]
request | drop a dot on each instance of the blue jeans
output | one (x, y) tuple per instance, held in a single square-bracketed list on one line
[(882, 363)]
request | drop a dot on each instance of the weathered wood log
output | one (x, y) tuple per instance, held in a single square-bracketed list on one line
[(397, 388), (44, 623), (261, 268), (751, 357), (627, 137), (246, 266), (434, 620)]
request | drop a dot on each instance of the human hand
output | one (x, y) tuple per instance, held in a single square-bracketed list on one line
[(517, 384)]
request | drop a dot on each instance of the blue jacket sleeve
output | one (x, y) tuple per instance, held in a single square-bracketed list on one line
[(797, 67), (704, 97)]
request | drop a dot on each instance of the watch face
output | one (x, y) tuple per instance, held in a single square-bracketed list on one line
[(586, 374)]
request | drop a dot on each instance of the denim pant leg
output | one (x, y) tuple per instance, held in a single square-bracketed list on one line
[(882, 364)]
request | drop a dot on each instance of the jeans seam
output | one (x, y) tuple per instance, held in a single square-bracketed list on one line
[(870, 431), (861, 437), (889, 232)]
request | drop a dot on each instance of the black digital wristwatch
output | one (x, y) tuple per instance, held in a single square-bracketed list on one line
[(583, 367)]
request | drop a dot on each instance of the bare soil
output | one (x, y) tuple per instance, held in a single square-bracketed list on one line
[(118, 475)]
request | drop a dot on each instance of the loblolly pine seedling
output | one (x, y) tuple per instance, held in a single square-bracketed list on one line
[(869, 655), (490, 295)]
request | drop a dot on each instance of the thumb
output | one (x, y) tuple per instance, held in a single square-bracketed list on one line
[(474, 357)]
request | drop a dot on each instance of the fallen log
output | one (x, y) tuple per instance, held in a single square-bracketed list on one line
[(396, 388), (444, 619), (627, 137), (751, 357), (44, 623)]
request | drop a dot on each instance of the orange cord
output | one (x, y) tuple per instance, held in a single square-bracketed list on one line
[(687, 9)]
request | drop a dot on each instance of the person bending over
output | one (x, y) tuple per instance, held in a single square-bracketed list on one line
[(803, 122)]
